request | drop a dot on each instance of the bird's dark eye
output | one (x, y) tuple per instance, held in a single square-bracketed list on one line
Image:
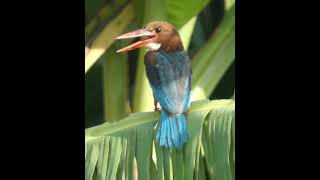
[(158, 30)]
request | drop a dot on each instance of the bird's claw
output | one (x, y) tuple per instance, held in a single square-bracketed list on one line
[(169, 112), (156, 109), (186, 112)]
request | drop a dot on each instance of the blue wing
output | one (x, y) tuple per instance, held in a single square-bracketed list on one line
[(170, 77)]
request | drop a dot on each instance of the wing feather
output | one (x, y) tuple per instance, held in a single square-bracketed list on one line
[(169, 75)]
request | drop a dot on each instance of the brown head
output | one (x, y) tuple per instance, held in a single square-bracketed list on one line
[(159, 35)]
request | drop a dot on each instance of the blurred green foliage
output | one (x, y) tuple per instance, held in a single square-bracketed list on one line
[(207, 21), (119, 138)]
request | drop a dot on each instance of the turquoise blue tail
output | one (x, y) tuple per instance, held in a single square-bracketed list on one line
[(172, 132)]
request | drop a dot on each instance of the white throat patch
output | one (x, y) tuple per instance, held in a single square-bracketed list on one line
[(153, 46)]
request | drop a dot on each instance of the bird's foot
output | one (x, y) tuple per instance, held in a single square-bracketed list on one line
[(168, 112), (186, 112), (155, 103)]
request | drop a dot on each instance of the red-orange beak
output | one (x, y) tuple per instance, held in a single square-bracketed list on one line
[(138, 33)]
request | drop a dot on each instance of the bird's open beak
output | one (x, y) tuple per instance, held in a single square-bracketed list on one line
[(138, 33)]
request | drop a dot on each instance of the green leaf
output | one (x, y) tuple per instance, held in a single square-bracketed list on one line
[(102, 165), (160, 164), (200, 172), (140, 118), (177, 161), (121, 173), (93, 92), (91, 160), (85, 155), (179, 14), (232, 159), (153, 170), (167, 164), (92, 8), (144, 149), (155, 10), (98, 19), (229, 4), (186, 32), (131, 150), (214, 59), (233, 139), (116, 104), (195, 131), (108, 34), (114, 160), (217, 138), (209, 122)]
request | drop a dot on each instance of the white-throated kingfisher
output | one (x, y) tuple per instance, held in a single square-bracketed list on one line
[(169, 73)]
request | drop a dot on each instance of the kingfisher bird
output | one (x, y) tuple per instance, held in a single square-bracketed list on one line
[(169, 73)]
